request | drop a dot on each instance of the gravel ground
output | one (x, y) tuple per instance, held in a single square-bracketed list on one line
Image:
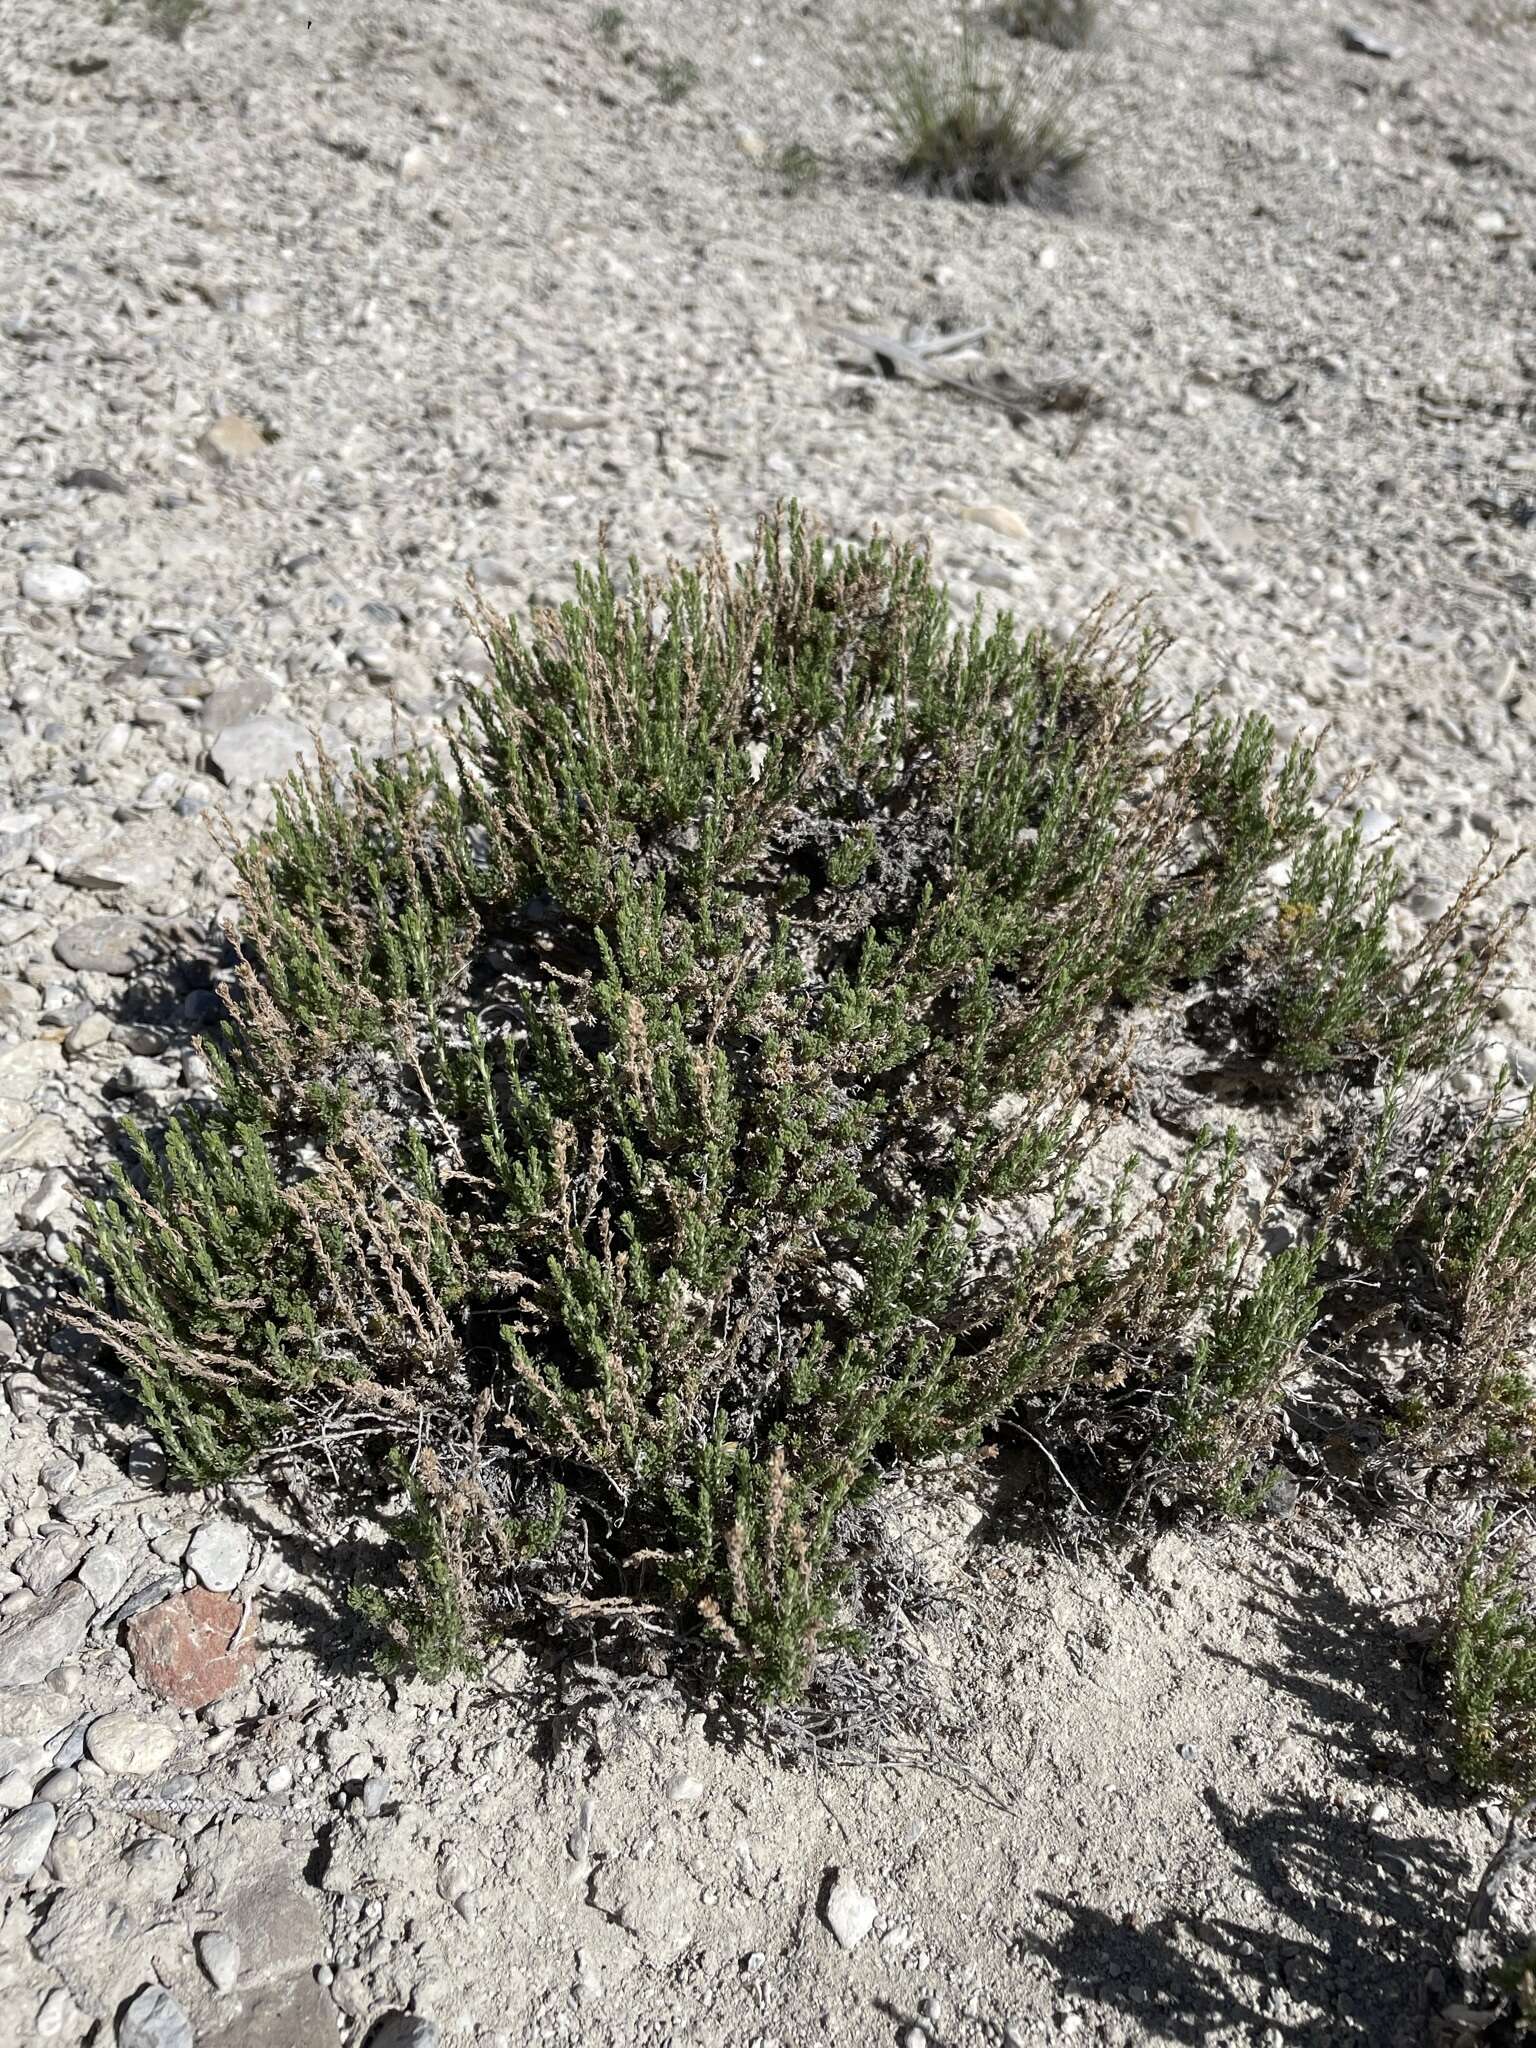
[(310, 317)]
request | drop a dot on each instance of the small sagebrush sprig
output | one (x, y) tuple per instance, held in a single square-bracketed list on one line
[(1487, 1651), (1445, 1219), (608, 1106)]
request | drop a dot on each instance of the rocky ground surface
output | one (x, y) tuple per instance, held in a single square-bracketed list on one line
[(307, 318)]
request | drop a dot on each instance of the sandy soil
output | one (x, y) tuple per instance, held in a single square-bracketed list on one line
[(469, 283)]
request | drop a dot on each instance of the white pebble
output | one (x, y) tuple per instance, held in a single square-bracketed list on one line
[(219, 1955), (220, 1553), (54, 583), (129, 1747), (850, 1912)]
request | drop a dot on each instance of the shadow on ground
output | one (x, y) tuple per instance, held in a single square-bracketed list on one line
[(1329, 1921)]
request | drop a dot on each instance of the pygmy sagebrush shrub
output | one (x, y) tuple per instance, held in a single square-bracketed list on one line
[(609, 1112)]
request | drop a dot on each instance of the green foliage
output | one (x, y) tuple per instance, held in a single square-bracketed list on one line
[(607, 24), (1337, 990), (425, 1623), (675, 77), (168, 19), (799, 167), (1488, 1654), (1266, 59), (1446, 1217), (614, 1116), (971, 130), (1069, 24), (1517, 1975), (1230, 1402)]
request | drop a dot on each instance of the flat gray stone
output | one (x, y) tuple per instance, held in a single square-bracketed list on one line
[(128, 860), (106, 944), (140, 1076), (403, 2030), (47, 1637), (261, 749), (49, 1562), (89, 479), (154, 2020), (219, 1553), (495, 572), (104, 1573), (295, 2013), (280, 1931), (232, 703), (24, 1841)]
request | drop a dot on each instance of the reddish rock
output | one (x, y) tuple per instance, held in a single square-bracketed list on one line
[(194, 1648)]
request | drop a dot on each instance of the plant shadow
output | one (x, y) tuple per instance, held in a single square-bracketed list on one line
[(1329, 1922)]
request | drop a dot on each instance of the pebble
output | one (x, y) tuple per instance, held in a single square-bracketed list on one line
[(220, 1554), (233, 702), (53, 2015), (154, 2020), (850, 1912), (88, 479), (564, 419), (219, 1955), (1000, 518), (131, 860), (59, 1787), (231, 439), (404, 2030), (495, 572), (375, 1792), (146, 1463), (129, 1747), (154, 1866), (194, 1648), (104, 1572), (1374, 826), (1366, 45), (52, 1632), (377, 661), (140, 1076), (49, 1562), (261, 749), (105, 944), (93, 1029), (24, 1841), (54, 583), (50, 1195)]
